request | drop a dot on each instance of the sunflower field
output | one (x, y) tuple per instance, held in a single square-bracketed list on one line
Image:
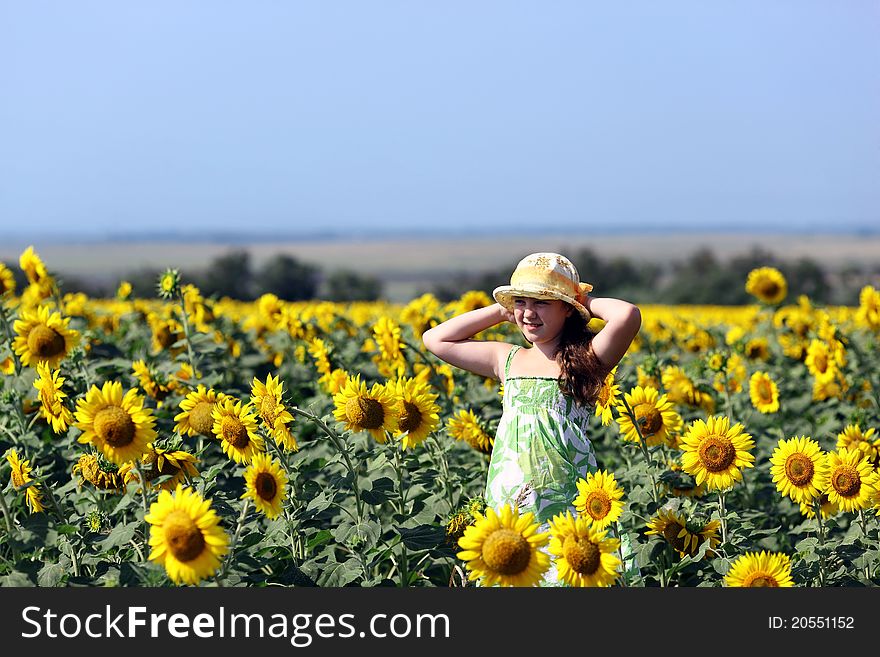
[(184, 440)]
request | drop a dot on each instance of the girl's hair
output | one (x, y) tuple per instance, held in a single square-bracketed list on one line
[(583, 374)]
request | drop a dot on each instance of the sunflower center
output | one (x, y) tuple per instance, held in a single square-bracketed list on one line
[(267, 409), (266, 486), (821, 362), (764, 391), (184, 538), (846, 481), (582, 555), (234, 432), (598, 504), (717, 453), (45, 342), (364, 412), (769, 288), (649, 419), (604, 394), (671, 534), (410, 417), (507, 552), (114, 426), (17, 480), (759, 579), (799, 469), (165, 336), (200, 418)]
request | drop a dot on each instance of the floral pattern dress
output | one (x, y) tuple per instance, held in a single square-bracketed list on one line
[(541, 450)]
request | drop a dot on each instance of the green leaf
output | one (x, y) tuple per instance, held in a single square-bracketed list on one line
[(119, 536), (319, 538), (382, 491), (51, 574), (423, 537), (340, 574)]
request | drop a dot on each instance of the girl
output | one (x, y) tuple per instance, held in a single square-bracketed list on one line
[(541, 444)]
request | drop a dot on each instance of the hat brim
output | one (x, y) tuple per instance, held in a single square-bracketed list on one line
[(505, 295)]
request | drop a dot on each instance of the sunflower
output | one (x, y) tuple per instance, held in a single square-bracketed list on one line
[(236, 426), (763, 392), (123, 292), (418, 415), (32, 265), (868, 313), (680, 389), (767, 284), (799, 469), (598, 499), (149, 382), (463, 517), (754, 569), (655, 417), (7, 280), (21, 476), (185, 535), (374, 411), (714, 452), (504, 549), (104, 474), (266, 484), (608, 399), (386, 336), (168, 285), (757, 349), (318, 351), (684, 537), (852, 480), (826, 506), (52, 407), (43, 336), (178, 464), (7, 365), (196, 416), (853, 438), (267, 397), (334, 381), (119, 426), (584, 556), (822, 360), (465, 425)]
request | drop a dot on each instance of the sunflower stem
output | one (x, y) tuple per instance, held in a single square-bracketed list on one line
[(615, 530), (238, 527), (722, 514), (817, 506), (137, 465), (8, 518), (864, 525), (643, 446), (396, 448), (186, 332), (444, 469), (338, 444)]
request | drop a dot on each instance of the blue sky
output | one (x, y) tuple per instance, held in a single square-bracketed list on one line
[(307, 117)]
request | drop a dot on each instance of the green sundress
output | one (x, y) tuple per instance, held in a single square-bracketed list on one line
[(541, 450)]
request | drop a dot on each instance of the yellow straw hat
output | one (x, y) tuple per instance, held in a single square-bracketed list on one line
[(545, 276)]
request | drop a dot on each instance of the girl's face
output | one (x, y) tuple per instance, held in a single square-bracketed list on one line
[(540, 320)]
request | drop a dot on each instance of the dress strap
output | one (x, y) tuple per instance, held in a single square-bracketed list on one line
[(516, 348)]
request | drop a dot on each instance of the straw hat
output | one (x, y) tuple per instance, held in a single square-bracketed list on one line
[(545, 276)]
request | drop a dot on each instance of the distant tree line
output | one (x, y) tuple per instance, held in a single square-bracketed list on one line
[(700, 278), (233, 275)]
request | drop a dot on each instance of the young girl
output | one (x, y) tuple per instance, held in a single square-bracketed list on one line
[(541, 444)]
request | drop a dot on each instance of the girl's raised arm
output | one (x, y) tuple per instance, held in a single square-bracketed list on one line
[(622, 322), (452, 341)]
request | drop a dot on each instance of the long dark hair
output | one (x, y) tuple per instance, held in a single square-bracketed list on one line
[(582, 373)]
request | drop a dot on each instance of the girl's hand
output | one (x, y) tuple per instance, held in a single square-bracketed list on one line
[(506, 315)]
